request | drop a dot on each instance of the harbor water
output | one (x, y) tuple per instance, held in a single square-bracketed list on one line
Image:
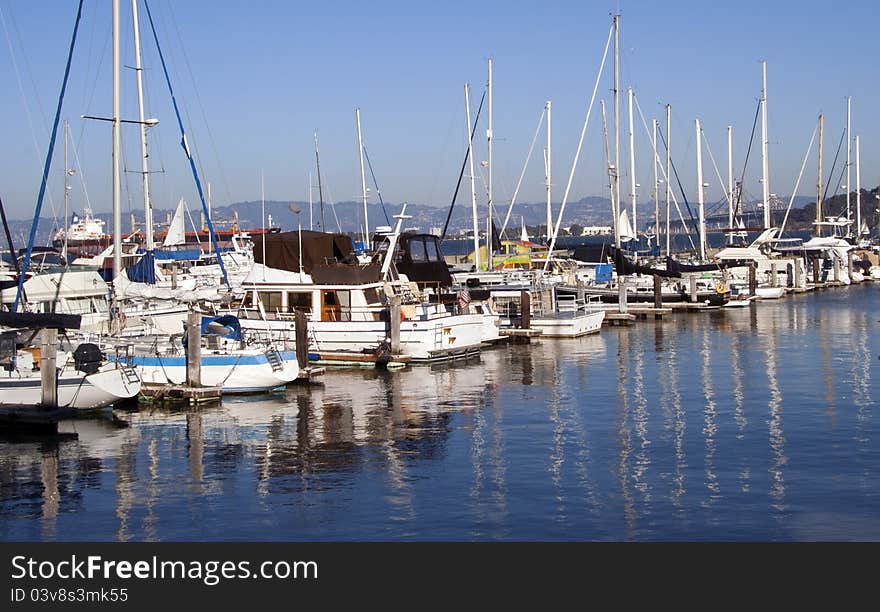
[(755, 423)]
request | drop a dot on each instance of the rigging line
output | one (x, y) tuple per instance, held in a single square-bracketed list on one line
[(797, 184), (186, 151), (578, 151), (714, 165), (663, 170), (12, 253), (48, 164), (834, 165), (678, 181), (24, 99), (94, 87), (461, 173), (523, 173), (376, 184), (201, 106), (737, 207)]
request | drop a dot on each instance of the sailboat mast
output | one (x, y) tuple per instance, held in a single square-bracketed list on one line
[(701, 214), (467, 106), (858, 192), (148, 207), (819, 181), (311, 226), (656, 186), (263, 220), (848, 156), (489, 236), (320, 188), (616, 130), (730, 183), (764, 143), (117, 146), (363, 181), (547, 174), (632, 165), (668, 164), (66, 191)]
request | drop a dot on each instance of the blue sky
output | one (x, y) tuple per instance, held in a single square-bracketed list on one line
[(255, 79)]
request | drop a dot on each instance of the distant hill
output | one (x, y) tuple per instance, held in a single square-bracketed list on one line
[(347, 216)]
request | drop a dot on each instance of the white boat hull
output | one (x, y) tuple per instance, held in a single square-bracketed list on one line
[(420, 339), (247, 372), (569, 325), (75, 389)]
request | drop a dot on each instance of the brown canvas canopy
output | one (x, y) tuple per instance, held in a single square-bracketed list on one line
[(318, 248)]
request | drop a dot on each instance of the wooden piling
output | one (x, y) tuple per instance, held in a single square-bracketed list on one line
[(621, 294), (773, 269), (816, 261), (194, 349), (301, 333), (797, 272), (658, 292), (692, 279), (525, 309), (394, 314), (48, 369), (836, 263), (753, 279)]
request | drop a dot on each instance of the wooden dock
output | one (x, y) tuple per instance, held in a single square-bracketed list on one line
[(618, 318), (520, 336), (308, 374), (367, 360), (155, 393)]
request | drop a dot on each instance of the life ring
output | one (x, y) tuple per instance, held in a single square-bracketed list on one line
[(721, 287)]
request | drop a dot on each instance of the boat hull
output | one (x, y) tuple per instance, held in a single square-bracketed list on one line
[(76, 390), (250, 372)]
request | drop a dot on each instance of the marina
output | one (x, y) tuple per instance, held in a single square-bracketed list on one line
[(689, 357)]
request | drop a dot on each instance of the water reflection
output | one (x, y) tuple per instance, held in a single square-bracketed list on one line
[(580, 439)]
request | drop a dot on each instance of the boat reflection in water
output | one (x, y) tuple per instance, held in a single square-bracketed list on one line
[(747, 424)]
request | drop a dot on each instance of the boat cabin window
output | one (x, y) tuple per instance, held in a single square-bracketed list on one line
[(299, 300), (433, 251), (417, 250), (271, 300)]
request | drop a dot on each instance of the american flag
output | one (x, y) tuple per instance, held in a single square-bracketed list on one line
[(464, 298)]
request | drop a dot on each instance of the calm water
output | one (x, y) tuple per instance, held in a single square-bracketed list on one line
[(747, 424)]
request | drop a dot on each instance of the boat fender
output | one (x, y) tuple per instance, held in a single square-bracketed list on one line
[(721, 288)]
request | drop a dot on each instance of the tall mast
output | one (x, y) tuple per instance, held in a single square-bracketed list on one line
[(764, 142), (209, 201), (489, 236), (311, 225), (548, 160), (668, 164), (363, 181), (632, 164), (701, 214), (467, 105), (320, 189), (148, 207), (730, 183), (67, 173), (819, 181), (117, 146), (616, 130), (263, 220), (848, 156), (858, 192), (656, 185)]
